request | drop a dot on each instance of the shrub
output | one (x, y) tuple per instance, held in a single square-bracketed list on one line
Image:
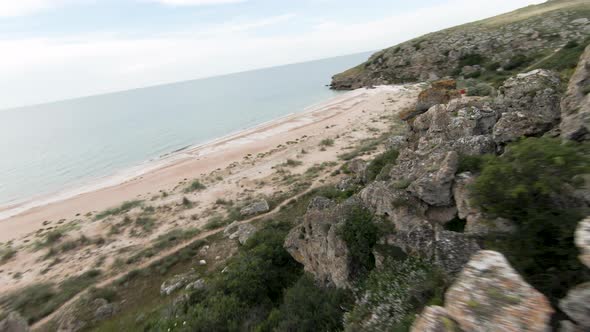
[(186, 203), (480, 89), (376, 165), (327, 142), (471, 60), (360, 234), (470, 163), (516, 61), (292, 163), (397, 292), (123, 208), (530, 184), (7, 254), (194, 186), (307, 307), (571, 44)]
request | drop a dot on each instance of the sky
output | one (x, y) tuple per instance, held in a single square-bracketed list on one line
[(59, 49)]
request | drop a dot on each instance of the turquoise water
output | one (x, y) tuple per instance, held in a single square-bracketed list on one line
[(47, 148)]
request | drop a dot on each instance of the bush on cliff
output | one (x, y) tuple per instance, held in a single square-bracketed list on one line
[(360, 234), (532, 184)]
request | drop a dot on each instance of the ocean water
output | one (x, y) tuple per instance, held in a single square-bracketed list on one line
[(51, 147)]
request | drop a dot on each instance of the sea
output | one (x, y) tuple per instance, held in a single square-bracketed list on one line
[(54, 147)]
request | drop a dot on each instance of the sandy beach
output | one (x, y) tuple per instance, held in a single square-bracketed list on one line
[(238, 167)]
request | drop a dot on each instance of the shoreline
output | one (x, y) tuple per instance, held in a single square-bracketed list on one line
[(165, 173), (121, 176)]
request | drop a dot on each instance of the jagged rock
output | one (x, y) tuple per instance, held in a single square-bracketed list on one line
[(14, 322), (567, 326), (317, 245), (439, 93), (476, 221), (577, 305), (242, 232), (530, 105), (255, 208), (417, 240), (396, 142), (434, 319), (453, 250), (357, 167), (433, 185), (489, 295), (347, 183), (575, 106), (199, 284), (176, 282), (582, 238), (441, 214), (104, 309), (404, 210), (320, 203)]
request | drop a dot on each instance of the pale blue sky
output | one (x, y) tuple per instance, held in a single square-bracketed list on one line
[(57, 49)]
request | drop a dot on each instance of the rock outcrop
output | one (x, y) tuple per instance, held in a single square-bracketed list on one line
[(488, 295), (575, 106), (530, 106), (317, 244), (242, 232), (496, 44), (582, 239), (440, 92), (14, 322), (255, 208), (577, 305), (177, 282)]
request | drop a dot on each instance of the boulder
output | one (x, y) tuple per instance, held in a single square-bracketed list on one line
[(439, 93), (434, 180), (575, 106), (320, 203), (196, 285), (396, 142), (242, 232), (453, 250), (316, 243), (434, 319), (177, 282), (14, 322), (357, 167), (489, 295), (577, 305), (582, 238), (255, 208), (530, 104)]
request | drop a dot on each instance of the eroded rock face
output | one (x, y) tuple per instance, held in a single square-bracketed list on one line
[(434, 319), (317, 245), (255, 208), (575, 106), (489, 295), (440, 92), (434, 179), (242, 232), (14, 322), (583, 240), (530, 105), (577, 305), (453, 250), (320, 203)]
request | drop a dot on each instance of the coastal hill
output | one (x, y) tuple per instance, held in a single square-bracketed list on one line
[(455, 204), (491, 49)]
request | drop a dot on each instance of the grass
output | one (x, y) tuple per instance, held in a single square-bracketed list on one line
[(39, 300), (123, 208), (7, 254), (565, 60), (292, 163), (196, 185)]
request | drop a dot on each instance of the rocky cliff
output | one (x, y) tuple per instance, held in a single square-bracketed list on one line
[(490, 49)]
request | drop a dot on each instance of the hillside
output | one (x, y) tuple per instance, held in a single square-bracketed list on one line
[(491, 49)]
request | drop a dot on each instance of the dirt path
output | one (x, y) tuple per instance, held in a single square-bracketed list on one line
[(38, 326)]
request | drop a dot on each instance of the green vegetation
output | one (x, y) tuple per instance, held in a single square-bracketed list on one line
[(327, 142), (470, 163), (7, 254), (292, 163), (39, 300), (516, 62), (531, 185), (565, 60), (398, 291), (360, 234), (380, 162), (124, 208), (196, 185), (471, 60)]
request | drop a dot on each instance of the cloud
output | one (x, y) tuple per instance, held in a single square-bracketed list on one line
[(11, 8), (196, 2), (43, 69)]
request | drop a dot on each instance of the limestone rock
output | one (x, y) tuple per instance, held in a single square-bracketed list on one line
[(104, 309), (255, 208), (530, 105), (320, 203), (196, 285), (396, 142), (317, 245), (242, 232), (577, 305), (433, 186), (575, 106), (176, 282), (14, 322), (439, 93), (489, 295), (453, 250), (582, 238), (434, 319)]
